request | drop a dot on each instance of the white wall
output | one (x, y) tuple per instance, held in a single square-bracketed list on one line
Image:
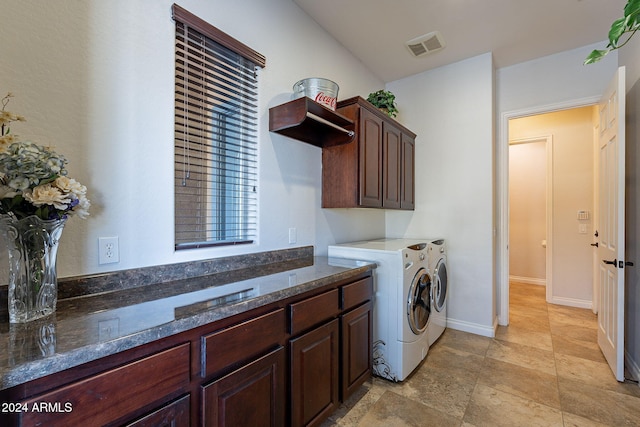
[(451, 111), (553, 79), (629, 57), (528, 210), (95, 79)]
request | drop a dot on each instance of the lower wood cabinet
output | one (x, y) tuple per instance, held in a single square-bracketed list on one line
[(314, 375), (109, 396), (288, 363), (356, 331), (253, 395), (329, 362), (175, 414)]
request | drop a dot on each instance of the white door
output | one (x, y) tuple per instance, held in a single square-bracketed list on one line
[(611, 188)]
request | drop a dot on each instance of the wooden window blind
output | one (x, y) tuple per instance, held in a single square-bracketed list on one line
[(216, 119)]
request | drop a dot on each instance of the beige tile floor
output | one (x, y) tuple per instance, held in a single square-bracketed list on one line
[(544, 369)]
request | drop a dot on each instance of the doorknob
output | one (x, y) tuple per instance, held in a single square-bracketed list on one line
[(595, 244), (614, 262)]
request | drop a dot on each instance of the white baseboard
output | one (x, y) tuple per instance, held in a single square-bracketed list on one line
[(572, 302), (472, 328), (528, 280)]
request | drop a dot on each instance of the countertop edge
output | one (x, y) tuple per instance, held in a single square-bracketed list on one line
[(36, 369)]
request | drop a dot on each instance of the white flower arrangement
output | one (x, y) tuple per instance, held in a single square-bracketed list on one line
[(33, 179), (6, 118)]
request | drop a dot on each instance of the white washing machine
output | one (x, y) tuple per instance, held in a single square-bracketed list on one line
[(402, 303), (437, 256)]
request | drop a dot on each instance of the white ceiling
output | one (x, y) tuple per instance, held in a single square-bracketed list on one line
[(375, 31)]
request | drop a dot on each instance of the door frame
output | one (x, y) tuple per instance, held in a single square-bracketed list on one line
[(502, 178)]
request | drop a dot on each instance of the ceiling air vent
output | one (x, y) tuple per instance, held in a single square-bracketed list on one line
[(425, 44)]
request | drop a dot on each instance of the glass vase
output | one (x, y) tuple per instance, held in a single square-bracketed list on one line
[(32, 245)]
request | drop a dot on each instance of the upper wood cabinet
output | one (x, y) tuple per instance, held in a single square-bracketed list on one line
[(408, 171), (377, 169)]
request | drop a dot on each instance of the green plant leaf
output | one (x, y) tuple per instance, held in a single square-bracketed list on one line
[(595, 56), (632, 8), (617, 29)]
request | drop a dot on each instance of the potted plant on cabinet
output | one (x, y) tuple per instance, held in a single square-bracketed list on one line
[(385, 101)]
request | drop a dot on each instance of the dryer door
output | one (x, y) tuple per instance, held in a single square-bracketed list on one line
[(419, 302), (440, 285)]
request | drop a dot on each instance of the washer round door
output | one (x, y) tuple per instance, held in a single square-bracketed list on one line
[(440, 285), (419, 302)]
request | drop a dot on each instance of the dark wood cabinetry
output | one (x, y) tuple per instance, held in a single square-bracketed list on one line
[(356, 328), (329, 362), (113, 395), (391, 166), (289, 362), (253, 395), (408, 171), (307, 121), (174, 414), (377, 169), (314, 375)]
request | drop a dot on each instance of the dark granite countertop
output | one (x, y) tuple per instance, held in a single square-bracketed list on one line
[(89, 327)]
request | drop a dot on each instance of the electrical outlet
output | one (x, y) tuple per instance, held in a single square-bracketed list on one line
[(108, 250), (293, 235)]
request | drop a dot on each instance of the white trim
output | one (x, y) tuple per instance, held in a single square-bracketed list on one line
[(528, 280), (595, 296), (571, 302), (502, 163), (473, 328)]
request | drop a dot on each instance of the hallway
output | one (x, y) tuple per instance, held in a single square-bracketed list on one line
[(544, 369)]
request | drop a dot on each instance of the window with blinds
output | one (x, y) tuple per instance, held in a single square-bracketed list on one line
[(216, 91)]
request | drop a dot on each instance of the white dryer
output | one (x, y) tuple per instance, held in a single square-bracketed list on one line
[(402, 303), (436, 250)]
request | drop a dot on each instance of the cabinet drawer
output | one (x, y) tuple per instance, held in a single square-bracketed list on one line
[(314, 310), (113, 394), (356, 293), (242, 341)]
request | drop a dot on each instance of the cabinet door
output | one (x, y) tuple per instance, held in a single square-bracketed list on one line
[(391, 154), (253, 395), (314, 375), (175, 414), (370, 141), (407, 192), (357, 350)]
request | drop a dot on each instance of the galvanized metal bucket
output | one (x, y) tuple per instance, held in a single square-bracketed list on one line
[(323, 91)]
